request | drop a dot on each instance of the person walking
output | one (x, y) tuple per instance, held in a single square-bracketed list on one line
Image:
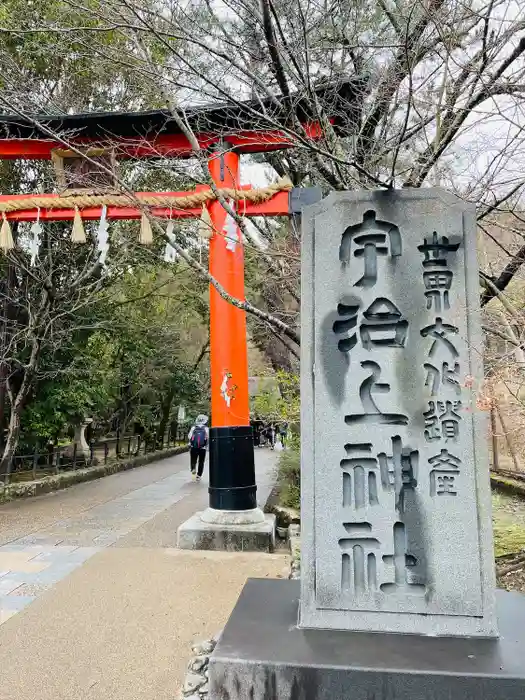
[(198, 437), (271, 435), (283, 432), (255, 432), (259, 430)]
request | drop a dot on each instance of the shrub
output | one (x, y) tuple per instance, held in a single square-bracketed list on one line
[(289, 476)]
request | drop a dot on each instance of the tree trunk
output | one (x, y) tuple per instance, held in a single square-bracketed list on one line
[(17, 405), (12, 441), (6, 333), (166, 403)]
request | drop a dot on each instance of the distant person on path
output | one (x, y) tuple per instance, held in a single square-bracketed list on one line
[(270, 434), (283, 432), (198, 437), (259, 427), (254, 424)]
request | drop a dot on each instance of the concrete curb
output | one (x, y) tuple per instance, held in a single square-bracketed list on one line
[(58, 482)]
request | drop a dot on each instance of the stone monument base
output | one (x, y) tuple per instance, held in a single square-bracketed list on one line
[(263, 655), (228, 534)]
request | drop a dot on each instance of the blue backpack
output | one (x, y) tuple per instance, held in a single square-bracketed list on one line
[(199, 439)]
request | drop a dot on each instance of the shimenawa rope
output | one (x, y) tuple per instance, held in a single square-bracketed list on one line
[(188, 201), (83, 201)]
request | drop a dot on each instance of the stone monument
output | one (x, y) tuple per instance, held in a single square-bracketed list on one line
[(397, 597), (396, 532)]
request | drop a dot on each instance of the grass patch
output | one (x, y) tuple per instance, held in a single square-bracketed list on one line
[(508, 515), (508, 538)]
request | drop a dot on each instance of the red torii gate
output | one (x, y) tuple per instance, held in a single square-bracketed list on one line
[(155, 134)]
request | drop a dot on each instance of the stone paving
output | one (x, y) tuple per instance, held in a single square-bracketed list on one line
[(27, 572), (32, 564)]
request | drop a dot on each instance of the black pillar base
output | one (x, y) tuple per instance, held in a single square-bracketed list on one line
[(232, 469)]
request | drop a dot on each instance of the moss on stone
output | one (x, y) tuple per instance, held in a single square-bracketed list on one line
[(508, 485)]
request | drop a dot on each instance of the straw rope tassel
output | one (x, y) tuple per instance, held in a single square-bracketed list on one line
[(146, 234), (205, 229), (6, 236), (78, 234)]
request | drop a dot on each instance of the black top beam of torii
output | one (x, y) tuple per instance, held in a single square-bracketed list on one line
[(249, 127)]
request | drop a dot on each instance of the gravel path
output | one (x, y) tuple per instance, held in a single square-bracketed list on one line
[(96, 600)]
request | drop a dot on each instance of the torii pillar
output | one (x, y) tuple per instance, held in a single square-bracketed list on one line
[(232, 521)]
